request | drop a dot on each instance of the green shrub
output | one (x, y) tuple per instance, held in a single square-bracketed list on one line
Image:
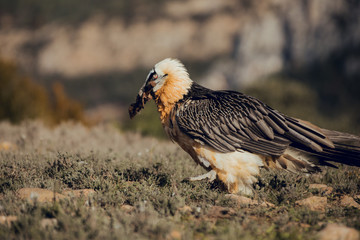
[(21, 98)]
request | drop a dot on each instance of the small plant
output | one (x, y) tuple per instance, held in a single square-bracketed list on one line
[(21, 98)]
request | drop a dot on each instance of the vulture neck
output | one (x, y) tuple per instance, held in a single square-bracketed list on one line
[(173, 90)]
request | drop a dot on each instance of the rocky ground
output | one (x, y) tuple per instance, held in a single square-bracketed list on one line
[(75, 182)]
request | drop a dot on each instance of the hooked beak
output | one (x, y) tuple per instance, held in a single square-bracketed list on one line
[(145, 94)]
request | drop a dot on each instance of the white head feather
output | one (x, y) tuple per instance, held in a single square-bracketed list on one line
[(174, 69)]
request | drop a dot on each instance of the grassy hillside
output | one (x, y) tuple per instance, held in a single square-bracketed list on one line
[(140, 191)]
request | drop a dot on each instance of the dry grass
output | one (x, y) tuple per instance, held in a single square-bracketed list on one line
[(140, 192)]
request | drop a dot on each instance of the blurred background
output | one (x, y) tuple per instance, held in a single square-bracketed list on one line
[(86, 60)]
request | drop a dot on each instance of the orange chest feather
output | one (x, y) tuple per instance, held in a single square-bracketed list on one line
[(164, 110), (167, 97)]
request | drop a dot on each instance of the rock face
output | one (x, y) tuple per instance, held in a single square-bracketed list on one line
[(322, 188), (127, 208), (255, 38), (335, 232), (6, 220), (314, 203), (347, 201), (39, 194), (48, 222)]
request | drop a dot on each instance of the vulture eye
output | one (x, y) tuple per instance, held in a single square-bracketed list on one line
[(155, 76)]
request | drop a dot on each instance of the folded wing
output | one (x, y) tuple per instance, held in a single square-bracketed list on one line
[(228, 121)]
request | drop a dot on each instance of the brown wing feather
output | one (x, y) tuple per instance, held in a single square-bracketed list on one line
[(228, 120)]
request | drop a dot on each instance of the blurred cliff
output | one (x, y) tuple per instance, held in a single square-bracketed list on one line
[(302, 57)]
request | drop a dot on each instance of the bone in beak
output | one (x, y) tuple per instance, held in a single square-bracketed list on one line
[(141, 100)]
